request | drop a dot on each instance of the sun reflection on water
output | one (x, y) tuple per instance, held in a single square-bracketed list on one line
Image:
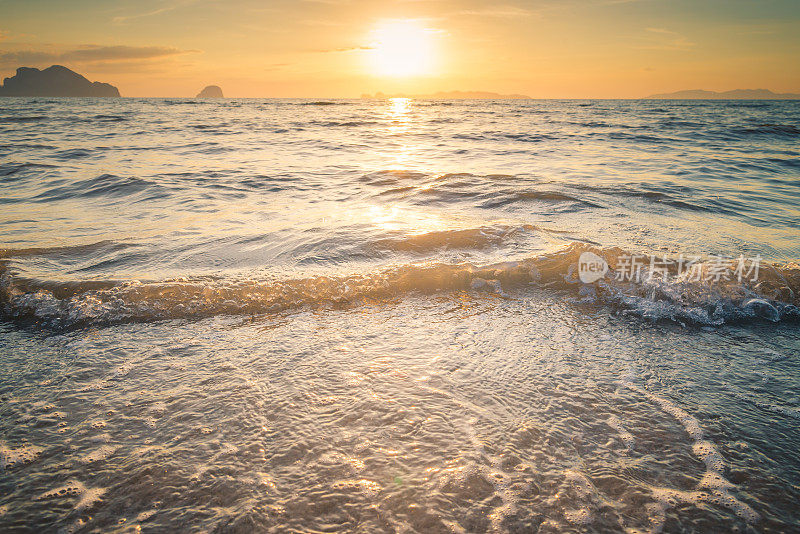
[(398, 218), (400, 107), (400, 121)]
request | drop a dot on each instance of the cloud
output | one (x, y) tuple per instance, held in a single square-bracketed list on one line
[(346, 49), (537, 9), (25, 57), (276, 66), (169, 7), (121, 53), (499, 12), (91, 54), (663, 39), (125, 18)]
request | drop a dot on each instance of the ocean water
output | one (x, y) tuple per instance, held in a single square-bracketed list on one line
[(374, 316)]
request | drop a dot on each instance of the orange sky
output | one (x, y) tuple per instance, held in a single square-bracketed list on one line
[(334, 48)]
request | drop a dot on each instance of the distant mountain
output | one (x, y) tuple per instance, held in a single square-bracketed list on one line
[(737, 94), (53, 81), (212, 91), (453, 95)]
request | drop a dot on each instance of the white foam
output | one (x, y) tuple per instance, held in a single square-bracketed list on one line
[(369, 488), (74, 488), (713, 487), (101, 453), (10, 458), (581, 516), (626, 437), (580, 483), (707, 452)]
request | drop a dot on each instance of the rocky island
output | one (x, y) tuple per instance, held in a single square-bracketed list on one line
[(212, 91), (54, 81)]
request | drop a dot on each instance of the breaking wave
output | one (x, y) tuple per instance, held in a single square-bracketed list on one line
[(773, 298)]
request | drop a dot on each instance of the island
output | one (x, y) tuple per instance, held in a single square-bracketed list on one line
[(452, 95), (211, 91), (55, 80), (736, 94)]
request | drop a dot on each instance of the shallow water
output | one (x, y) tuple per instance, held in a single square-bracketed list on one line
[(286, 315)]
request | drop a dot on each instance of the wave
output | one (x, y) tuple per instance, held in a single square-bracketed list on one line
[(528, 137), (107, 245), (343, 124), (73, 153), (391, 177), (499, 136), (773, 298), (767, 132), (656, 197), (496, 191), (109, 118), (18, 146), (772, 129), (541, 196), (28, 118), (105, 185), (8, 169), (323, 103), (490, 191), (467, 238)]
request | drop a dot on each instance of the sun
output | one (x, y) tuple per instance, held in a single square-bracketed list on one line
[(401, 48)]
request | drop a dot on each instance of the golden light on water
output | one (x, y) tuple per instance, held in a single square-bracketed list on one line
[(398, 218), (399, 108), (405, 150), (402, 48)]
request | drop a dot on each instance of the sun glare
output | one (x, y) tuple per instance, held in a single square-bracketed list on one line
[(402, 48)]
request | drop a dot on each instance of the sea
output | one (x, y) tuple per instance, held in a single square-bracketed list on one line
[(411, 316)]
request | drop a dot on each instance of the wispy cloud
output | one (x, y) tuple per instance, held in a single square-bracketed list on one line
[(663, 39), (91, 54), (345, 49), (122, 53), (500, 11), (125, 18), (538, 9), (169, 6), (276, 66)]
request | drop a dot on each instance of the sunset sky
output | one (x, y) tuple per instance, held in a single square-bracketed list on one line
[(343, 48)]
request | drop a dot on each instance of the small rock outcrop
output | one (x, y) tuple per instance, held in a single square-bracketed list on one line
[(212, 91), (53, 81)]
